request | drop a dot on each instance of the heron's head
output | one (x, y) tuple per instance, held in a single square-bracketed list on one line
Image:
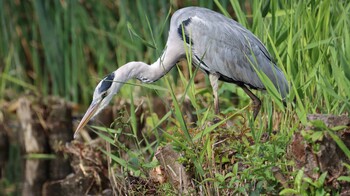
[(103, 94)]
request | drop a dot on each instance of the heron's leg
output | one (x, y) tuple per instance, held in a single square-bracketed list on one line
[(214, 81), (256, 101)]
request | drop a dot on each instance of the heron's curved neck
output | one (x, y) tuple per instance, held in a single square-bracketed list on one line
[(147, 73)]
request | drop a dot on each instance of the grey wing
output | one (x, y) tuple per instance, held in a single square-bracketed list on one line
[(221, 45)]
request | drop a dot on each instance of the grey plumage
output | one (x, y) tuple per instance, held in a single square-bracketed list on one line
[(227, 48), (219, 46)]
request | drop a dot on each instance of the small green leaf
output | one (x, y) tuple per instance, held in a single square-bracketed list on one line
[(120, 161), (40, 156), (235, 169), (108, 130), (321, 179), (347, 165), (298, 178), (154, 163), (289, 191), (220, 177), (344, 178), (104, 137), (339, 128), (317, 136), (319, 124), (310, 181)]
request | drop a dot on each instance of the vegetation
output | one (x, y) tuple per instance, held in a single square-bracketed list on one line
[(64, 48)]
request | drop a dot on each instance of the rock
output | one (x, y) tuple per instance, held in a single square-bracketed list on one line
[(316, 151), (174, 170)]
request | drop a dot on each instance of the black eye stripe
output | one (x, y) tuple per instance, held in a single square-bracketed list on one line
[(106, 84)]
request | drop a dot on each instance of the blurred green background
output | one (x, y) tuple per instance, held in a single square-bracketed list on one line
[(63, 47)]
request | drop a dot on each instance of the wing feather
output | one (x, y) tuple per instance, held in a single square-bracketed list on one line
[(229, 49)]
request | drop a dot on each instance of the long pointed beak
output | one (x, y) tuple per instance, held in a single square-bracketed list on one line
[(87, 116)]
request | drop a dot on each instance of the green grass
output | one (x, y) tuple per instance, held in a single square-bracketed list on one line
[(65, 47)]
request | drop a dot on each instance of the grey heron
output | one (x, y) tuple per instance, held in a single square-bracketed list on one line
[(219, 46)]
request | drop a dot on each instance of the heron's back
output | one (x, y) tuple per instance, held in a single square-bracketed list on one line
[(221, 45)]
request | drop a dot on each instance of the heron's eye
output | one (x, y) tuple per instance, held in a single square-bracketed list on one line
[(104, 94)]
